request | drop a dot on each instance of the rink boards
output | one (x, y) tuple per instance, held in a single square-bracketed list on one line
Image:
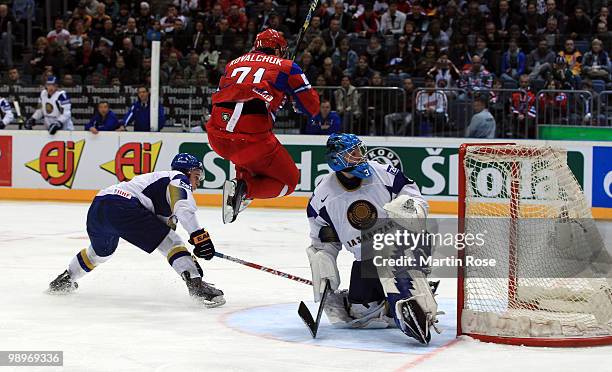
[(74, 165)]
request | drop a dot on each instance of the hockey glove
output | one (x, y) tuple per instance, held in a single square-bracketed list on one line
[(54, 127), (204, 247), (29, 123)]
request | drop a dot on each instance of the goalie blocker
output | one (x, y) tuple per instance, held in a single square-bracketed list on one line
[(337, 218)]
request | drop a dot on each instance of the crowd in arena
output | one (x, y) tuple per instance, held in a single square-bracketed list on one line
[(507, 51)]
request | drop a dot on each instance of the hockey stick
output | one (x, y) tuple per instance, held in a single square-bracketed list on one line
[(263, 268), (311, 10), (304, 313)]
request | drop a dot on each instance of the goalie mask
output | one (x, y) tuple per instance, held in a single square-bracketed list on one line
[(346, 153)]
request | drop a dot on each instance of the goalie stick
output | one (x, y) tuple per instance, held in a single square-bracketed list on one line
[(304, 313)]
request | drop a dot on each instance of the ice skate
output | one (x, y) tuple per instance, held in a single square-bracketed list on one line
[(203, 292)]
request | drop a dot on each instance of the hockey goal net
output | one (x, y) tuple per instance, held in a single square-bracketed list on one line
[(550, 285)]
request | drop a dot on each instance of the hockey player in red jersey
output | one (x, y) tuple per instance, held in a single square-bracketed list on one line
[(253, 88)]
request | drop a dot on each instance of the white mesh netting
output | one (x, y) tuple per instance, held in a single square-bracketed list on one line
[(552, 272)]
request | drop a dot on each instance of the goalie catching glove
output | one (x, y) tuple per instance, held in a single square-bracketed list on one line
[(204, 247)]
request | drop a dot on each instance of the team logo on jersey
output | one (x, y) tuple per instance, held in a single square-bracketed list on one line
[(362, 214), (132, 159), (385, 156), (225, 116), (48, 108), (58, 162)]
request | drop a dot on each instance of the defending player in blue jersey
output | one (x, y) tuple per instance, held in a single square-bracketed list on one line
[(347, 201), (144, 212)]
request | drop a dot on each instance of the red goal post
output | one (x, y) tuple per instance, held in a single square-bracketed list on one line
[(512, 155)]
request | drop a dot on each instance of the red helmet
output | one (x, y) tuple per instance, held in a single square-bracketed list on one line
[(271, 39)]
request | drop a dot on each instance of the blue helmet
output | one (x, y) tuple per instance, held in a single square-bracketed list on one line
[(342, 155), (185, 162)]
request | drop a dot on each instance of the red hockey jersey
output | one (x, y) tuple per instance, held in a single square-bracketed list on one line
[(256, 75)]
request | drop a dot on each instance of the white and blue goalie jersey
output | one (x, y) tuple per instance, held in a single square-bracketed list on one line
[(349, 212), (165, 193)]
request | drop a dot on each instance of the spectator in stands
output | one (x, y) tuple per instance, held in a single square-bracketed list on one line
[(223, 37), (104, 120), (310, 70), (513, 62), (79, 14), (523, 110), (267, 8), (436, 35), (169, 68), (330, 72), (318, 50), (346, 22), (334, 35), (89, 6), (314, 30), (603, 16), (418, 18), (398, 123), (552, 12), (493, 39), (40, 56), (193, 67), (579, 26), (474, 17), (180, 36), (131, 56), (402, 62), (486, 55), (595, 63), (552, 106), (392, 21), (139, 113), (458, 54), (68, 81), (362, 74), (530, 21), (477, 77), (293, 20), (144, 18), (344, 57), (562, 75), (604, 35), (167, 21), (5, 41), (572, 57), (377, 57), (237, 20), (144, 73), (368, 23), (198, 37), (120, 71), (12, 77), (482, 124), (154, 31), (99, 18), (122, 19), (504, 18), (540, 58), (107, 33), (325, 122), (413, 39), (445, 70), (59, 34), (348, 103), (209, 58), (78, 35), (375, 105), (218, 71), (427, 60), (552, 33), (431, 109)]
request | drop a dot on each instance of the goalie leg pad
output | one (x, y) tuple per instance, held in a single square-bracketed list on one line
[(323, 266)]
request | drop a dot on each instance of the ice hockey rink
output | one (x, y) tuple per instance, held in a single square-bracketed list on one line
[(133, 312)]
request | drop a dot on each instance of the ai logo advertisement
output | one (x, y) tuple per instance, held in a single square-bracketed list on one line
[(132, 159), (58, 162), (602, 177), (6, 160)]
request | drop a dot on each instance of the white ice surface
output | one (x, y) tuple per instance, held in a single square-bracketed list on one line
[(133, 314)]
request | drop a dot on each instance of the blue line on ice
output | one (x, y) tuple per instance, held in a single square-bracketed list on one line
[(281, 322)]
